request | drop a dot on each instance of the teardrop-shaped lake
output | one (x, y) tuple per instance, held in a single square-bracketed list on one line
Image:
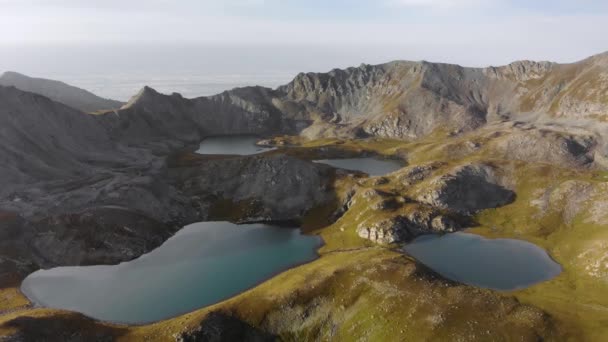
[(500, 264)]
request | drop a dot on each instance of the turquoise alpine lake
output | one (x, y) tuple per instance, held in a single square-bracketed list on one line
[(202, 264), (369, 165), (499, 264), (242, 145)]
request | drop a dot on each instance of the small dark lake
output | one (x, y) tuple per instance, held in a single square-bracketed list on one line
[(500, 264), (201, 265), (242, 145), (371, 166)]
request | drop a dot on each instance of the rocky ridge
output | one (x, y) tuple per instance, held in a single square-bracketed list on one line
[(401, 100), (99, 189), (74, 97)]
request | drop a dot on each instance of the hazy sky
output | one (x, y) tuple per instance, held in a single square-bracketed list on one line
[(469, 32)]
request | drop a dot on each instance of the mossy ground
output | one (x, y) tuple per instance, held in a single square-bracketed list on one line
[(578, 301), (575, 298), (357, 290), (11, 299)]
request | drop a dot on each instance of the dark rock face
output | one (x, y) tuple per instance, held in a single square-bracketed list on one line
[(219, 327), (281, 188), (101, 235), (467, 189), (60, 92), (94, 236), (15, 258)]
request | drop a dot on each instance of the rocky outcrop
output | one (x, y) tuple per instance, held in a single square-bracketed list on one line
[(415, 174), (60, 92), (403, 228), (546, 146), (467, 189)]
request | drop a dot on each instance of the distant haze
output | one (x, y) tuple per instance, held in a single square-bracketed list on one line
[(119, 71), (202, 46)]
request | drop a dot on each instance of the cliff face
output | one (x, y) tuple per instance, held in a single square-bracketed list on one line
[(58, 91)]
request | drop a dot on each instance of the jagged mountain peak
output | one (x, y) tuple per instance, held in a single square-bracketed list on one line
[(145, 94)]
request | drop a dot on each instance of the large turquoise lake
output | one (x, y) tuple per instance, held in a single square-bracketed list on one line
[(201, 265), (500, 264)]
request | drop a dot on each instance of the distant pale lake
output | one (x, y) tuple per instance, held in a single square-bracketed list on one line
[(201, 265), (241, 145), (500, 264), (371, 166)]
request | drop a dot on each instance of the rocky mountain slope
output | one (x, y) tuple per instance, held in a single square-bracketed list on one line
[(44, 140), (150, 116), (401, 100), (60, 92), (518, 150), (411, 99)]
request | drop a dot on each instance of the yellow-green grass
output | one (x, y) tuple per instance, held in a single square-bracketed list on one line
[(577, 300), (11, 299), (358, 290)]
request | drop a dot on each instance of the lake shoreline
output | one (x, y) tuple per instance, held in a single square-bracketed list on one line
[(37, 302)]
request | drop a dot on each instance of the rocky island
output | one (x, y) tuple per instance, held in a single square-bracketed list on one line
[(511, 152)]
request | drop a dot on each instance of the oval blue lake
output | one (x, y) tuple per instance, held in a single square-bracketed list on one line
[(499, 264), (371, 166), (201, 265), (241, 145)]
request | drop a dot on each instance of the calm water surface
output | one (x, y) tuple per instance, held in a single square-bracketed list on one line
[(371, 166), (500, 264), (235, 145), (203, 264)]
